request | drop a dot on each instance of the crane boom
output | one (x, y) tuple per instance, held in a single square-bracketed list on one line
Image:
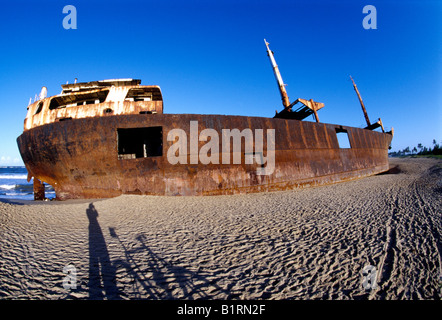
[(281, 85), (362, 103)]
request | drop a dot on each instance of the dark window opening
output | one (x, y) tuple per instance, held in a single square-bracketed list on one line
[(65, 119), (343, 140), (139, 94), (136, 143), (108, 110), (78, 99), (39, 108)]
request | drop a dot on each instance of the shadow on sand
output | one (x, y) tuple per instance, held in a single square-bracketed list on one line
[(149, 275), (102, 282), (157, 278)]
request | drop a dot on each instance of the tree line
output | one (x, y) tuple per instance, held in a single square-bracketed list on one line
[(436, 149)]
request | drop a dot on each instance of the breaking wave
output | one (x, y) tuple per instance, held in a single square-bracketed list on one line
[(7, 186), (14, 176)]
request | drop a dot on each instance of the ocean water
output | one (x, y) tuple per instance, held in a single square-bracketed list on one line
[(13, 185)]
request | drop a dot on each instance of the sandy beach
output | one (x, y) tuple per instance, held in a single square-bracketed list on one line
[(313, 243)]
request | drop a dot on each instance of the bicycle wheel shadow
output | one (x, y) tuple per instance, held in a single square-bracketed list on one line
[(157, 278)]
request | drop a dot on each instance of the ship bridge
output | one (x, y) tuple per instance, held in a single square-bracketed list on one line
[(92, 85), (95, 99)]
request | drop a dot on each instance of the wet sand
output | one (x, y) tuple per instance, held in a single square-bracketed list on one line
[(310, 243)]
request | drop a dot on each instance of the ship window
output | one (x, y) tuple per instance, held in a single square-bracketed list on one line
[(136, 143), (138, 95), (78, 99), (39, 108), (343, 141)]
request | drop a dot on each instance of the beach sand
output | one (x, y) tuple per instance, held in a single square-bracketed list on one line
[(311, 243)]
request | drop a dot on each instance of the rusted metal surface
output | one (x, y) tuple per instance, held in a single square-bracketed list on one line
[(278, 77), (361, 102), (307, 107), (304, 109), (375, 125), (91, 100), (370, 126), (39, 190), (315, 109), (80, 157)]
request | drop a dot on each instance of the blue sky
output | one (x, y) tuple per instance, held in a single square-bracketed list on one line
[(209, 57)]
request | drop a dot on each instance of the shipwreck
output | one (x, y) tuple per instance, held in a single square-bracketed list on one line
[(105, 138)]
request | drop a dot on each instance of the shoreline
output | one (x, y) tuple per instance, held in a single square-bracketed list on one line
[(54, 201)]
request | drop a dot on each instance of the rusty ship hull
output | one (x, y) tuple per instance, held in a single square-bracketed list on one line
[(106, 138), (80, 158)]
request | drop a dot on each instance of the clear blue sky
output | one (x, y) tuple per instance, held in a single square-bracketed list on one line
[(209, 57)]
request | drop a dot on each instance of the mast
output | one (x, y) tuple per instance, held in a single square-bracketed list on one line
[(281, 85), (362, 103)]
